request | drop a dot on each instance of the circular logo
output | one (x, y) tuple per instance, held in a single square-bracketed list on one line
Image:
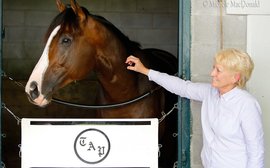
[(92, 146)]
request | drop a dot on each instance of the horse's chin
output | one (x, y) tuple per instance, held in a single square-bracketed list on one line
[(41, 101)]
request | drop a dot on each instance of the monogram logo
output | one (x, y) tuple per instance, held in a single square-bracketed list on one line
[(92, 146)]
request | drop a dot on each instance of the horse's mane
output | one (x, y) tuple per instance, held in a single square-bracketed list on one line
[(68, 18), (131, 46)]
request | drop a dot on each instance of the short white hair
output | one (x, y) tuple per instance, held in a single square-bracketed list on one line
[(236, 61)]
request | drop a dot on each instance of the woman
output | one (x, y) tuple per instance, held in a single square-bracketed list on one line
[(230, 116)]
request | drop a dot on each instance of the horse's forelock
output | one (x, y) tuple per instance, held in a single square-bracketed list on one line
[(67, 19)]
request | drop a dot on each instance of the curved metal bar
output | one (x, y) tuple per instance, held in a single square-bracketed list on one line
[(91, 106), (106, 106)]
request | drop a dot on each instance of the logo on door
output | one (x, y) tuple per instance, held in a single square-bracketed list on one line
[(92, 146)]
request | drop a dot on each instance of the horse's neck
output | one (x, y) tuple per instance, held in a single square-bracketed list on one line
[(117, 82), (117, 86)]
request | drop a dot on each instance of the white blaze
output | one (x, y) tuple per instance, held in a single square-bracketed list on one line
[(39, 70)]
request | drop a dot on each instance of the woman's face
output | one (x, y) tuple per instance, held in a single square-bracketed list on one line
[(223, 79)]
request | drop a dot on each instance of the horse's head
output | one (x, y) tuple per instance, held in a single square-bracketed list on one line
[(66, 56)]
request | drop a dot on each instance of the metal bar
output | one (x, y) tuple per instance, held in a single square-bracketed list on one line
[(180, 72), (184, 72)]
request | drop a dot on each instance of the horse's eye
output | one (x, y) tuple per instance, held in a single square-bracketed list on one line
[(66, 41)]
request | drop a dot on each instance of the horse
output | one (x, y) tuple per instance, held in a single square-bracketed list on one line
[(78, 43)]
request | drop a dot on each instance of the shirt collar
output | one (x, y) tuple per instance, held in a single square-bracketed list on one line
[(229, 95)]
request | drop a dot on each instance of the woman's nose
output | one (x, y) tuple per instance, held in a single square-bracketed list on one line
[(213, 72)]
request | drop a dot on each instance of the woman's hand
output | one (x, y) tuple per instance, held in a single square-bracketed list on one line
[(136, 65)]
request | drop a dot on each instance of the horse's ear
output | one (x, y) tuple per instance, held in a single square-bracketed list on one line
[(78, 10), (60, 5)]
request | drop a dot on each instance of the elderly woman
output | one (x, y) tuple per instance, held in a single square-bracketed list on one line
[(230, 116)]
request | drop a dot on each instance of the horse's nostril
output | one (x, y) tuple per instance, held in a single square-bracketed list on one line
[(34, 93)]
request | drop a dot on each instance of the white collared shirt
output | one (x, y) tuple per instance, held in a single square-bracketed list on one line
[(231, 123)]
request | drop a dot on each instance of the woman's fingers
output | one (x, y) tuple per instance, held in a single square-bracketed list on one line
[(132, 61), (135, 64)]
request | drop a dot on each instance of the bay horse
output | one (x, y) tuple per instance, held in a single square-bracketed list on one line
[(78, 43)]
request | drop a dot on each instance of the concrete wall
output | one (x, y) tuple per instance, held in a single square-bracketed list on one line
[(259, 83), (205, 43), (153, 23)]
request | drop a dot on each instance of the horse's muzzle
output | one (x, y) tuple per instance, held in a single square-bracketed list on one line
[(35, 96)]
